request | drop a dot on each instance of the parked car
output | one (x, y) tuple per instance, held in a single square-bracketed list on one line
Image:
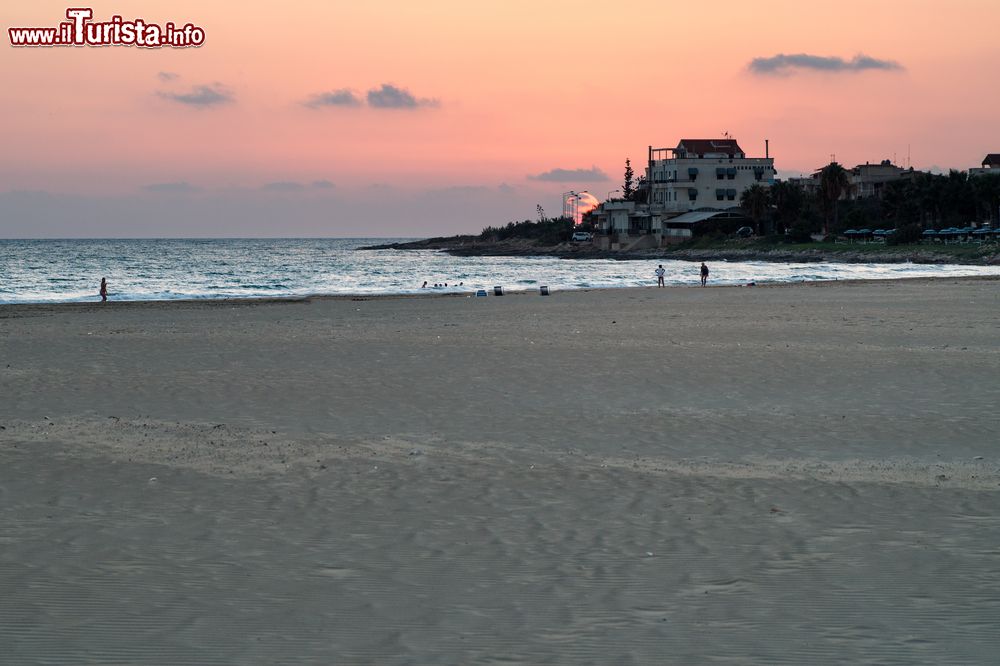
[(744, 232), (582, 236)]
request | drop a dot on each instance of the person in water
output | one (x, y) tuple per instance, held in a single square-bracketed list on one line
[(704, 273), (104, 290)]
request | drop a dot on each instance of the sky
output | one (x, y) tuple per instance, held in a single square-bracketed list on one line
[(403, 118)]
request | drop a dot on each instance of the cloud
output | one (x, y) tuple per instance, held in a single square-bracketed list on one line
[(178, 187), (789, 63), (201, 96), (342, 97), (167, 76), (591, 175), (391, 97), (322, 184), (283, 186)]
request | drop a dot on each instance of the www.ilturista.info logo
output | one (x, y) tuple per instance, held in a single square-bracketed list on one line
[(79, 30)]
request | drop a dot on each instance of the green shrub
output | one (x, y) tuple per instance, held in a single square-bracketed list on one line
[(799, 233), (547, 231), (905, 235)]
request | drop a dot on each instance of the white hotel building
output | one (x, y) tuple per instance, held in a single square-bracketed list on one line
[(699, 180), (703, 174)]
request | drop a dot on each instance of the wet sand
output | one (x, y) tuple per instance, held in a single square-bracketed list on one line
[(772, 475)]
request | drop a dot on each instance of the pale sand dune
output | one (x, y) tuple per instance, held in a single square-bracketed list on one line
[(794, 475)]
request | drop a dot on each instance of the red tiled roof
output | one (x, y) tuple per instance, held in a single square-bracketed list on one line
[(992, 160), (702, 146)]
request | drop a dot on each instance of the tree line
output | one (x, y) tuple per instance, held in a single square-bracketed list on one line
[(918, 201), (547, 231)]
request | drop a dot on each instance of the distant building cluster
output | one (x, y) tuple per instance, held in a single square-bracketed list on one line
[(866, 180), (869, 180)]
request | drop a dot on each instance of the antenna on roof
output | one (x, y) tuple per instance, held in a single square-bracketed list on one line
[(726, 135), (908, 163)]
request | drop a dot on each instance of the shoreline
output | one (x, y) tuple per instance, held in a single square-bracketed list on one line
[(248, 301), (469, 247)]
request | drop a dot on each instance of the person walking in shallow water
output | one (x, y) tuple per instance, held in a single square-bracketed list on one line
[(704, 273), (659, 275), (104, 290)]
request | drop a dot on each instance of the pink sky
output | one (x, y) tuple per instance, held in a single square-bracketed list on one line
[(505, 90)]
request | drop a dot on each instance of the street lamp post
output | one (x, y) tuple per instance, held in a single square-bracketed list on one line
[(571, 205), (567, 203)]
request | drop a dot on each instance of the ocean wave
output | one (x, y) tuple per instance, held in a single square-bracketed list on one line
[(170, 269)]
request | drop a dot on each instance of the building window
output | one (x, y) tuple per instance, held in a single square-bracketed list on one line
[(720, 195)]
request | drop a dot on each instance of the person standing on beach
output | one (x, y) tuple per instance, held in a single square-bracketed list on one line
[(659, 275), (104, 290), (704, 273)]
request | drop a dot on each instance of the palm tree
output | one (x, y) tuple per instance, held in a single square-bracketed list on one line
[(833, 184), (756, 200), (788, 201), (987, 190)]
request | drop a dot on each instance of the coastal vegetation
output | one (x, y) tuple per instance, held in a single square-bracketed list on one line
[(920, 201), (546, 231)]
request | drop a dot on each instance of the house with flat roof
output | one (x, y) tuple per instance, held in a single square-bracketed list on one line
[(868, 180), (990, 165), (865, 181)]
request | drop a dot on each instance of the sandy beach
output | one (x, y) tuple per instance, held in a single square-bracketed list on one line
[(797, 474)]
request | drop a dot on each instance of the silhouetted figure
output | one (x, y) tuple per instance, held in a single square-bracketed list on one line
[(704, 273), (104, 289), (424, 284), (659, 275)]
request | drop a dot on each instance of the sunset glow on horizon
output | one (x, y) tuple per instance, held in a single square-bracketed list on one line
[(507, 103)]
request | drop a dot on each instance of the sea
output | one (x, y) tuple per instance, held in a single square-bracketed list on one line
[(54, 271)]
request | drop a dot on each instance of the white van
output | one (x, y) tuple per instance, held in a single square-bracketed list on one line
[(581, 236)]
